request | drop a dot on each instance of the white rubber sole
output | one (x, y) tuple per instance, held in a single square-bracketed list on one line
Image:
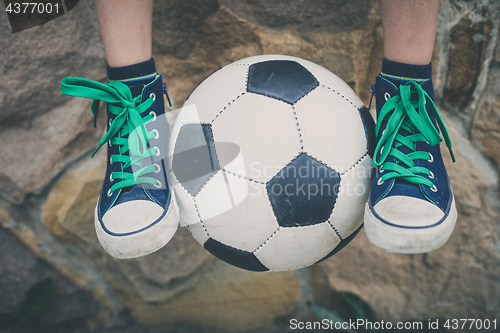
[(409, 241), (142, 243)]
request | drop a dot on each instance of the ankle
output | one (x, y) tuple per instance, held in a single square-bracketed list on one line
[(399, 73), (135, 76)]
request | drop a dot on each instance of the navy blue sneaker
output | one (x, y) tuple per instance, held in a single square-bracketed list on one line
[(135, 213), (411, 208)]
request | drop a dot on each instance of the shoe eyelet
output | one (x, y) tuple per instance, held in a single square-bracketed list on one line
[(154, 115), (111, 179), (380, 170), (158, 184), (111, 160), (110, 193), (153, 95), (380, 181), (387, 96), (157, 151), (431, 159), (158, 169), (434, 188), (157, 134), (109, 123), (431, 176)]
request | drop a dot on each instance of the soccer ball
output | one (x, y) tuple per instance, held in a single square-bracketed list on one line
[(270, 161)]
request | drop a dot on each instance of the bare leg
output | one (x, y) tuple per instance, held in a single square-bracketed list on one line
[(409, 30), (126, 29)]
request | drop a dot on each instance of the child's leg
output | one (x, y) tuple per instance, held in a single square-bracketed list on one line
[(126, 29), (134, 214), (411, 207), (409, 30)]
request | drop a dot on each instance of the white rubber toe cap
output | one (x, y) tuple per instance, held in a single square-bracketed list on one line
[(408, 211), (130, 232), (131, 216), (408, 225)]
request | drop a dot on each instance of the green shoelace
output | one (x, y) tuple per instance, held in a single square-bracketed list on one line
[(400, 113), (127, 121)]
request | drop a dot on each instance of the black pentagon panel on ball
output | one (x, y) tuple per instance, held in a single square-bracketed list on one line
[(234, 256), (369, 125), (304, 192), (285, 80), (194, 161)]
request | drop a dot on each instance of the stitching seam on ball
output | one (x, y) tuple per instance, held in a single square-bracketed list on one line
[(201, 220), (244, 177), (228, 104), (355, 164), (345, 98), (335, 229), (267, 240), (298, 129)]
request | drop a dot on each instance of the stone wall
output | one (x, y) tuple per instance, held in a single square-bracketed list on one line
[(49, 184)]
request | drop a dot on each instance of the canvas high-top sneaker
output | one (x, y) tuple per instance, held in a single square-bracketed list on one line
[(411, 208), (135, 213)]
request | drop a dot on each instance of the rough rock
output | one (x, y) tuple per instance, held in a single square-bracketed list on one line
[(35, 60), (40, 128), (486, 124), (468, 43), (224, 299), (32, 157), (20, 269), (330, 15), (176, 23)]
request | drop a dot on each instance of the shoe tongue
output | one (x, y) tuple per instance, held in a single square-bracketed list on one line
[(136, 90), (404, 188), (137, 86), (134, 193)]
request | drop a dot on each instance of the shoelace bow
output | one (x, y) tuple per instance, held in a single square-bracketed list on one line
[(399, 112), (128, 121)]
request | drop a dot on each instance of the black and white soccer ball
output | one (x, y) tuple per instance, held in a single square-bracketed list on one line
[(270, 161)]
